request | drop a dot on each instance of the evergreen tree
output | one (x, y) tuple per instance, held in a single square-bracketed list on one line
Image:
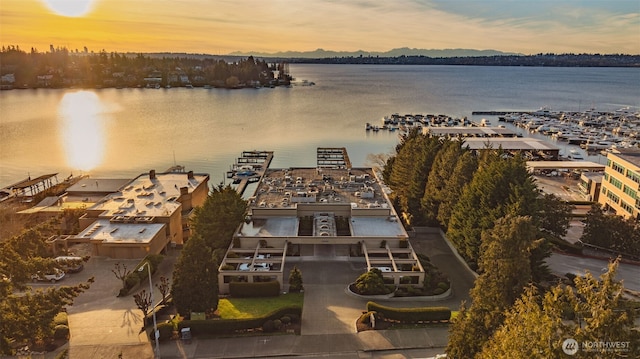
[(218, 218), (462, 174), (442, 170), (611, 231), (499, 187), (295, 280), (554, 215), (590, 313), (411, 167), (28, 317), (195, 279), (505, 272)]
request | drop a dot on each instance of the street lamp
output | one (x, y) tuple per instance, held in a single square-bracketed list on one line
[(156, 350)]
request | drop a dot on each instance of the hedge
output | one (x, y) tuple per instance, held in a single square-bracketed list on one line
[(61, 318), (411, 315), (135, 277), (61, 331), (230, 326), (165, 330), (257, 289)]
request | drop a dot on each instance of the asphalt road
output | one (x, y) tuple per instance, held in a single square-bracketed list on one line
[(562, 264)]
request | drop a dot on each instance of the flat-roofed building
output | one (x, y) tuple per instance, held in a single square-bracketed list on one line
[(469, 131), (94, 189), (620, 190), (134, 238), (158, 198), (590, 184), (531, 147), (344, 215)]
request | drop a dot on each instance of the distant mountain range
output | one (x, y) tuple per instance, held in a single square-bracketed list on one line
[(321, 53)]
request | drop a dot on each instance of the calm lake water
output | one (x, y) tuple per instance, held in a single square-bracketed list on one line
[(120, 133)]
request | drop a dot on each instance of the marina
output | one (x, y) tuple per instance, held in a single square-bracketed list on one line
[(249, 168), (596, 132)]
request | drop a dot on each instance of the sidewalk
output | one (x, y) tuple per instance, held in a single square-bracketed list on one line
[(309, 345)]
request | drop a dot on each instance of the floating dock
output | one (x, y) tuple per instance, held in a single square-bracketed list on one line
[(500, 113), (249, 167), (333, 157)]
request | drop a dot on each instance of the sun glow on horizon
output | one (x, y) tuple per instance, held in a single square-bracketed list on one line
[(82, 129), (70, 8), (224, 27)]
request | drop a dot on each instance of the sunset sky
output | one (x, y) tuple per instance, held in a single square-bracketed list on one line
[(225, 26)]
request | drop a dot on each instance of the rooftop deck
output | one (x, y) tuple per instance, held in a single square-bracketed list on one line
[(286, 188)]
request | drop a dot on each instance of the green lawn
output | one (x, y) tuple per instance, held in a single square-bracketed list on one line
[(236, 308)]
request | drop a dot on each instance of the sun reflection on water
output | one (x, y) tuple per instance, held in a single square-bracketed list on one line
[(82, 129)]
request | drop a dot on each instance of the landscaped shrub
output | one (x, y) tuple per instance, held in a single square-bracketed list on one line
[(295, 280), (165, 330), (131, 281), (230, 326), (364, 321), (371, 283), (136, 276), (61, 331), (443, 285), (293, 312), (411, 315), (262, 289), (61, 318), (285, 320), (295, 318), (438, 291), (268, 326), (277, 323)]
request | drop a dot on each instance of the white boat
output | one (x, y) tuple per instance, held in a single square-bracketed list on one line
[(575, 155), (598, 145)]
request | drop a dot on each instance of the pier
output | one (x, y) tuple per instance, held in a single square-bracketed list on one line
[(499, 113), (249, 167)]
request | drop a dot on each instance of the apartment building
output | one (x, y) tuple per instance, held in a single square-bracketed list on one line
[(145, 216), (330, 211), (620, 191)]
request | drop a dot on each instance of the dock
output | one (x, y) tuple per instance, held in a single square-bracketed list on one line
[(499, 113), (330, 157), (250, 167)]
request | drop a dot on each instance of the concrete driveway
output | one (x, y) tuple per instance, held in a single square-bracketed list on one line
[(329, 309), (104, 325)]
